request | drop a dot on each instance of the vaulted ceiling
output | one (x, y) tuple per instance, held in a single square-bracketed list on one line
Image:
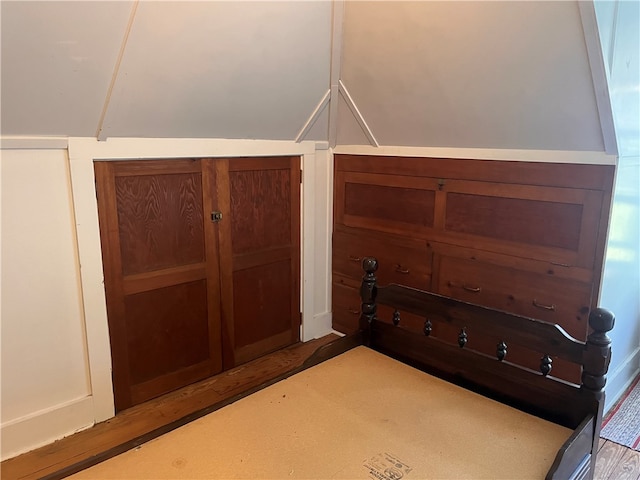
[(463, 74)]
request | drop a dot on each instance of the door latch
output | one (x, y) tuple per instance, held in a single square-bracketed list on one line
[(216, 217)]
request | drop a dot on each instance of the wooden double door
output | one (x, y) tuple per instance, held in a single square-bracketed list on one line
[(201, 266)]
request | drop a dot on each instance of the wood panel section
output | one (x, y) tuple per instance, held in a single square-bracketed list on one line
[(162, 296), (171, 320), (547, 298), (525, 237), (153, 414), (551, 224), (259, 255), (401, 260), (160, 220), (587, 176)]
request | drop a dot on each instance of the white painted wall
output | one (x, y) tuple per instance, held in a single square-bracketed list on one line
[(619, 24), (56, 361), (57, 62), (209, 69), (45, 376), (510, 75)]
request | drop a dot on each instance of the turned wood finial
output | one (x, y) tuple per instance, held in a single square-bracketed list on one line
[(597, 353), (368, 291)]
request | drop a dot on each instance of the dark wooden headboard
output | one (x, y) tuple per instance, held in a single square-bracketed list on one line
[(535, 391)]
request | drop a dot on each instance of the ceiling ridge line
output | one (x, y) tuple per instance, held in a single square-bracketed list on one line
[(116, 71)]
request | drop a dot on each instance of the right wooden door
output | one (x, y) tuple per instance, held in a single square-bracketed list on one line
[(259, 255)]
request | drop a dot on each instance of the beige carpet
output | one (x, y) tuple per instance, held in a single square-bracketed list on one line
[(360, 415)]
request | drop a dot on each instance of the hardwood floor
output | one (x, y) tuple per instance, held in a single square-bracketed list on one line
[(135, 425), (615, 462)]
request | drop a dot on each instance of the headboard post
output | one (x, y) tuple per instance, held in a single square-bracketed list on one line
[(597, 353), (368, 292)]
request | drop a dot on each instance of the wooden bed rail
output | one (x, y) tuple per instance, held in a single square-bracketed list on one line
[(555, 399)]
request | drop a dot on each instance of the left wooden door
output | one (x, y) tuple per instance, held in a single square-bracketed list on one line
[(161, 274)]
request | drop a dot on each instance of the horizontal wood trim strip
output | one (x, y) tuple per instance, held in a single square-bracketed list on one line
[(168, 166), (260, 163), (143, 282), (147, 390), (555, 400), (537, 266), (262, 257), (596, 177), (536, 193), (535, 334), (249, 352), (423, 183)]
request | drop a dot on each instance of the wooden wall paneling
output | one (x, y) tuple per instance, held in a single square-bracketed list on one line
[(570, 175), (225, 256), (113, 284), (164, 333), (394, 204), (525, 237), (260, 245), (210, 201)]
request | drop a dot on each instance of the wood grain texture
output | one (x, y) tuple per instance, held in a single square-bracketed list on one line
[(405, 205), (113, 281), (260, 209), (160, 221), (550, 224), (153, 414), (588, 176), (163, 332), (167, 329), (524, 237), (267, 312), (556, 300), (259, 255), (609, 457)]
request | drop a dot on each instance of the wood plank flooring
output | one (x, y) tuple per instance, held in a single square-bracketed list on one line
[(614, 461)]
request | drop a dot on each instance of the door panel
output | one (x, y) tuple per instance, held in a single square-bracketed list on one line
[(259, 254), (162, 292), (159, 221)]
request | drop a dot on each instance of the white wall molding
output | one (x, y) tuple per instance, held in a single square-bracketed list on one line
[(116, 70), (133, 148), (51, 424), (553, 156), (358, 116), (336, 64), (599, 75), (82, 153), (313, 118), (33, 143)]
